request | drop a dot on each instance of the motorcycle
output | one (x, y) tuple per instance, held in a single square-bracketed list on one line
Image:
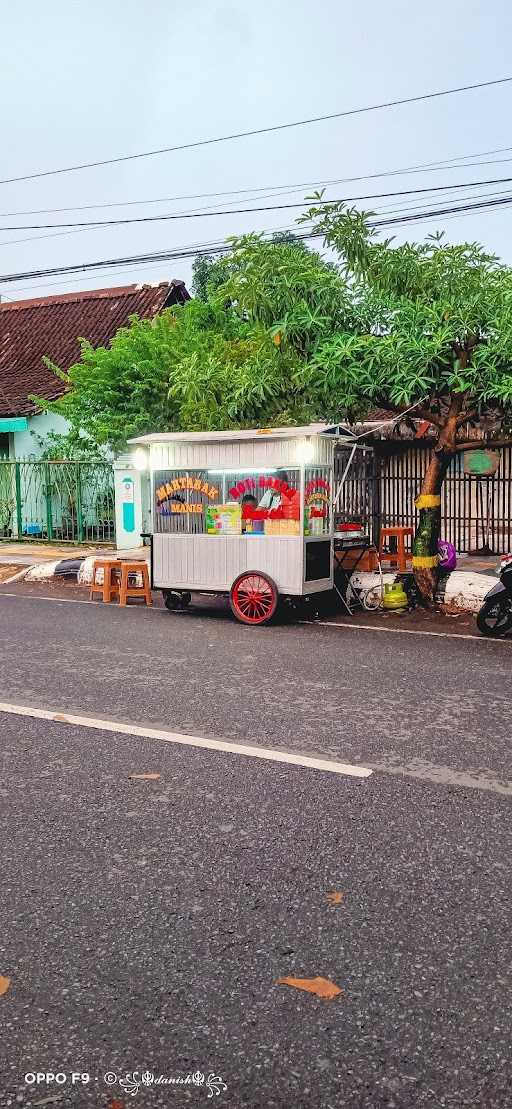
[(495, 615)]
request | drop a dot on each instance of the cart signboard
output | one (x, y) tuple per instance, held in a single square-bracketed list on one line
[(182, 493)]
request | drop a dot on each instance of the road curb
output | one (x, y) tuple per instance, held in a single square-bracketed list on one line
[(77, 569), (460, 589), (60, 568)]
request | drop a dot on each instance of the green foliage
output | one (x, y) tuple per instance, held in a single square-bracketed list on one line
[(210, 272), (72, 446), (120, 390), (278, 335), (434, 320), (205, 364), (207, 275), (293, 292)]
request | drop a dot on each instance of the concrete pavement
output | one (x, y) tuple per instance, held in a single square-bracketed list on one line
[(144, 924), (349, 693), (31, 554)]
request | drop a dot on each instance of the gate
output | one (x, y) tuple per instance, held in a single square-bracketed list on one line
[(360, 494), (475, 511), (382, 484), (67, 502)]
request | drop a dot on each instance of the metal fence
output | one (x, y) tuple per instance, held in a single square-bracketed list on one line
[(359, 498), (68, 502), (382, 485)]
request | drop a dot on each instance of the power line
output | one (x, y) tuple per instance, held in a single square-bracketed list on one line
[(481, 204), (393, 209), (216, 247), (433, 167), (221, 248), (244, 211), (389, 209), (203, 248), (51, 235), (256, 131), (94, 226)]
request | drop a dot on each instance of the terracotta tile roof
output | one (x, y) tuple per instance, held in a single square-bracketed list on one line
[(51, 326)]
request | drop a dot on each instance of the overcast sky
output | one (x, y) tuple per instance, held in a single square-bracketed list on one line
[(85, 81)]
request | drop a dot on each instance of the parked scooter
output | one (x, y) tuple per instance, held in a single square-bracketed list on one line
[(495, 616)]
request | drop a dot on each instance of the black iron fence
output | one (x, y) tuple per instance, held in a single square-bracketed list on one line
[(382, 485)]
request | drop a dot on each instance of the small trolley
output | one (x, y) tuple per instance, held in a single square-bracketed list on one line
[(245, 513)]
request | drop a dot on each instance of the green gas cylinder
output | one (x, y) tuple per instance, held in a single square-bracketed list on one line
[(395, 596)]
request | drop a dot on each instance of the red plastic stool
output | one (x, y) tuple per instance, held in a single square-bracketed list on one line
[(399, 557)]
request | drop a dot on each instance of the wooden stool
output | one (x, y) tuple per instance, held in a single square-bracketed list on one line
[(126, 590), (110, 586), (399, 557)]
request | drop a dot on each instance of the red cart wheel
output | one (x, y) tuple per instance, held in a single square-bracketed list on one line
[(253, 598)]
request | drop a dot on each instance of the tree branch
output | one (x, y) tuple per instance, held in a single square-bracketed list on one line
[(448, 434), (422, 413), (466, 416), (425, 414)]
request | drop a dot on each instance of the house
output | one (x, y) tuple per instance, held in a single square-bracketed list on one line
[(31, 330)]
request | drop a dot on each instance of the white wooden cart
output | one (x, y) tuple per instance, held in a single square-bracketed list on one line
[(245, 513)]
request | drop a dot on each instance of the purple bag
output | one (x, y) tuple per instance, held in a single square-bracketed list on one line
[(448, 555)]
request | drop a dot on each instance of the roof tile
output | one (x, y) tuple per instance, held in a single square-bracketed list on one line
[(51, 326)]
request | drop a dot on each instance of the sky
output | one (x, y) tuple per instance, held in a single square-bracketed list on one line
[(84, 82)]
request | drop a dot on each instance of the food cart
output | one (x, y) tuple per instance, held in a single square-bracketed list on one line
[(244, 513)]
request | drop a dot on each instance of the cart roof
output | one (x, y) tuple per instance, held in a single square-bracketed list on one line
[(250, 433)]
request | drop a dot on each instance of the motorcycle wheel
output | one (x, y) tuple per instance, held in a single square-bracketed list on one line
[(495, 617)]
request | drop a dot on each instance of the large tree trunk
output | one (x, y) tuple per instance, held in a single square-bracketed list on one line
[(425, 557)]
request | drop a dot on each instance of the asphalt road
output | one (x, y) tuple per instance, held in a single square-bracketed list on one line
[(144, 924)]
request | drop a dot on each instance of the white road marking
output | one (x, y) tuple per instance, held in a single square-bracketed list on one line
[(225, 745), (57, 600), (425, 771), (305, 623), (407, 631), (420, 769)]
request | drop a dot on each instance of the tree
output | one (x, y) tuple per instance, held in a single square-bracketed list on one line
[(434, 331), (210, 272), (294, 293), (234, 360), (71, 446), (205, 268)]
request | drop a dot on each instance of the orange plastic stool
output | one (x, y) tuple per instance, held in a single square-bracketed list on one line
[(126, 590), (110, 586), (399, 557)]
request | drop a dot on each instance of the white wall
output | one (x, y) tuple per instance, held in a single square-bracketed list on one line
[(25, 445), (128, 482)]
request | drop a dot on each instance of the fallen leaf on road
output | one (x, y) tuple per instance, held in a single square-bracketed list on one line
[(145, 777), (116, 1104), (322, 987), (4, 984), (335, 898)]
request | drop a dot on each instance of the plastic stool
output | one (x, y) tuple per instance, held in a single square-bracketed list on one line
[(399, 557), (126, 590), (110, 586)]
